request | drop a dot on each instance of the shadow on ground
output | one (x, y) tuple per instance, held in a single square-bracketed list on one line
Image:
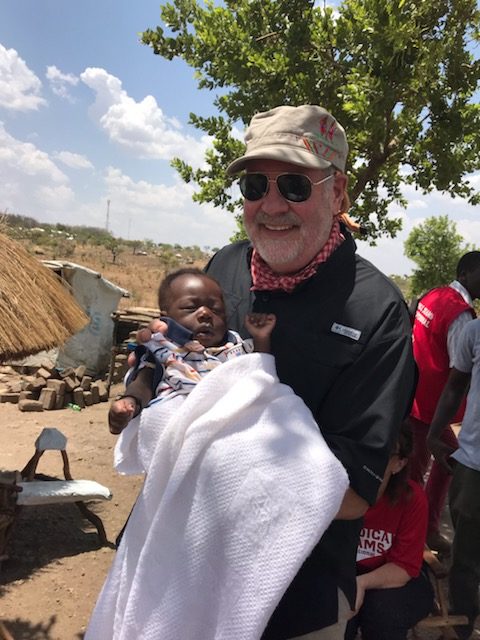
[(43, 534)]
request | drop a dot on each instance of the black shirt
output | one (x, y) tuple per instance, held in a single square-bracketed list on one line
[(342, 341)]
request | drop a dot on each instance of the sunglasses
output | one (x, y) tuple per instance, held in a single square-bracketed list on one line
[(294, 187)]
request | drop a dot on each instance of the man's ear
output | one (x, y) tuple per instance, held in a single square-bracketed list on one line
[(340, 182)]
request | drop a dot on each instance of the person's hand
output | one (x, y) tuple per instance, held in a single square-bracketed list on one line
[(194, 345), (360, 595), (147, 333), (260, 325), (144, 335), (120, 413), (441, 452)]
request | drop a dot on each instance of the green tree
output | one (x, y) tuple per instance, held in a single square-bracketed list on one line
[(398, 74), (436, 247), (114, 246), (402, 282), (167, 258)]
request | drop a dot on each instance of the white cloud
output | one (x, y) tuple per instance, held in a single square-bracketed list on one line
[(29, 179), (32, 184), (470, 230), (19, 86), (238, 134), (388, 254), (141, 127), (60, 83), (73, 160), (25, 159), (417, 204), (163, 213), (54, 198)]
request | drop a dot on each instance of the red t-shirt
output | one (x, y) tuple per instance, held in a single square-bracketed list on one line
[(395, 533)]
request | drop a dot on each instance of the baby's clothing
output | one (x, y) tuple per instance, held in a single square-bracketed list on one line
[(178, 369)]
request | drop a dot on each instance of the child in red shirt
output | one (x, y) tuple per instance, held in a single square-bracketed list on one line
[(393, 589)]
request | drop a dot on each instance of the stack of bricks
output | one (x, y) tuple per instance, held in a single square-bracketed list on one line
[(120, 367), (52, 389)]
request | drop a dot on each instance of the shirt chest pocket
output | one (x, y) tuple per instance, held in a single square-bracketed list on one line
[(335, 351)]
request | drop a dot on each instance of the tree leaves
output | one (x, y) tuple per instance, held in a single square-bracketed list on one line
[(400, 76), (436, 247)]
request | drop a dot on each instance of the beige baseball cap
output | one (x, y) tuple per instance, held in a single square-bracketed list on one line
[(308, 136)]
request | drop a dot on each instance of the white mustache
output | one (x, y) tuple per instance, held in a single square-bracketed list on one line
[(285, 219)]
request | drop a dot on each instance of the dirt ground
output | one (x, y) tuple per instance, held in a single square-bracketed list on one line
[(50, 582), (56, 568)]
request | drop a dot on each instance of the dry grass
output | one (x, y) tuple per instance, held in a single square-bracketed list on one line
[(36, 311), (140, 275)]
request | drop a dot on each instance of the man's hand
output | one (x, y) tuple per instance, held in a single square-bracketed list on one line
[(441, 452)]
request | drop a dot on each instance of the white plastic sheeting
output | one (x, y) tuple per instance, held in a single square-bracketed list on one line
[(99, 298)]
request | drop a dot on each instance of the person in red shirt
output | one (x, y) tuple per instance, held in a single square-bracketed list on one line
[(393, 589), (440, 316)]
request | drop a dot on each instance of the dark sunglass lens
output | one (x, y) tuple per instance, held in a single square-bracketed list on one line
[(253, 186), (294, 187)]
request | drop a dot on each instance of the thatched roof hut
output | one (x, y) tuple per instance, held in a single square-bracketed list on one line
[(36, 310)]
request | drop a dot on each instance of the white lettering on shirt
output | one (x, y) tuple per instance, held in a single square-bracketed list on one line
[(423, 314), (342, 330), (373, 543)]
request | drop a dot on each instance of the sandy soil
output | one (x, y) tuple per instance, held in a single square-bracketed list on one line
[(56, 568)]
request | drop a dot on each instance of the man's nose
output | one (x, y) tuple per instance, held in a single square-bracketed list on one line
[(273, 202)]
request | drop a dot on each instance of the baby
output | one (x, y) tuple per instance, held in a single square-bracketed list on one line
[(183, 346)]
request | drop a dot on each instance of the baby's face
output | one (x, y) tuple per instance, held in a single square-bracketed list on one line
[(196, 302)]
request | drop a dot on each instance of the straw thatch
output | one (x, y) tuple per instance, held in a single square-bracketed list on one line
[(36, 311)]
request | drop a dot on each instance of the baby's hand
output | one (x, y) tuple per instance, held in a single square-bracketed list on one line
[(147, 333), (195, 346), (120, 413), (260, 324)]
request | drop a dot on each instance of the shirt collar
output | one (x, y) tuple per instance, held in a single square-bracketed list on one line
[(459, 288)]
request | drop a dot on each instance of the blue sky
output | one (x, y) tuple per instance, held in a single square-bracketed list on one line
[(88, 114)]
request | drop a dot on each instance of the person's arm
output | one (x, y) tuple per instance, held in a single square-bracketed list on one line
[(353, 506), (388, 576), (454, 333), (448, 404), (138, 394), (361, 416)]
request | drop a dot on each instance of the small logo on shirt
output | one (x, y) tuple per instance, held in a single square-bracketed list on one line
[(349, 332)]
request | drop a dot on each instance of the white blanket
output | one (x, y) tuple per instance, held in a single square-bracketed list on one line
[(239, 489)]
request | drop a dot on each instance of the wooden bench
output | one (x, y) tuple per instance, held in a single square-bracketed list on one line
[(440, 618), (21, 489)]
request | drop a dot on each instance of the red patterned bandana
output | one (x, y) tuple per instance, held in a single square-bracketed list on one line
[(264, 279)]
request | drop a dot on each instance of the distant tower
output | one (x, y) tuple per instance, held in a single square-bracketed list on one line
[(108, 215)]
